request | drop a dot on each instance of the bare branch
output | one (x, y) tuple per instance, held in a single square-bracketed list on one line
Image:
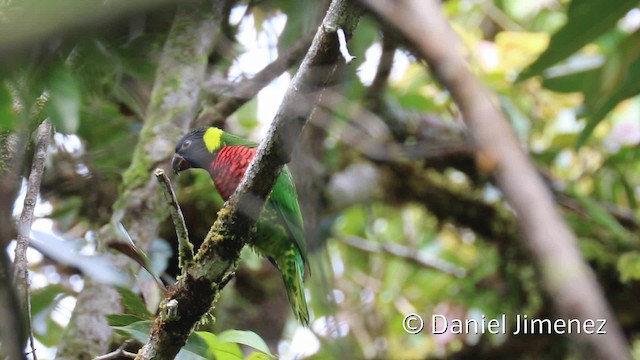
[(566, 277), (21, 272), (217, 257), (249, 88), (185, 247), (118, 353)]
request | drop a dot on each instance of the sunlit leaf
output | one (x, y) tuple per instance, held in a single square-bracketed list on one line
[(207, 345), (618, 80), (629, 266), (580, 73), (258, 356), (588, 19), (248, 338)]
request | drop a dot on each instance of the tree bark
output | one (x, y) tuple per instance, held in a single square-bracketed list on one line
[(174, 103), (217, 257)]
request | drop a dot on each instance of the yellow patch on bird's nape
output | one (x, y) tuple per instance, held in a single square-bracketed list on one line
[(213, 139)]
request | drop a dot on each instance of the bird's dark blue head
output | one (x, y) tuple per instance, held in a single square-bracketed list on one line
[(192, 151)]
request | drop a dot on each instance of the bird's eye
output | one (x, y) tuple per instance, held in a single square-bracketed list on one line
[(186, 144)]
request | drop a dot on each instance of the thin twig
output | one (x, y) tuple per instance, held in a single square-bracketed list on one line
[(406, 253), (567, 278), (21, 272), (185, 247), (247, 89), (117, 353)]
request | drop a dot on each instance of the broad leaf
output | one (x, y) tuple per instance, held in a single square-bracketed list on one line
[(619, 80), (629, 266), (248, 338), (133, 303), (209, 346), (602, 217), (41, 299), (588, 19), (122, 319)]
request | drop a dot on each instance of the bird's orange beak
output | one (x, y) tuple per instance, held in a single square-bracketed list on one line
[(178, 163)]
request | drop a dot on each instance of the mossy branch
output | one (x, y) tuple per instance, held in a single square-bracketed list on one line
[(216, 260)]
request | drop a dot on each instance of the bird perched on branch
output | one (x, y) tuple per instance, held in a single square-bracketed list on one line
[(279, 235)]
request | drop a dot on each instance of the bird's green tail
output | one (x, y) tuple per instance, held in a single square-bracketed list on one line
[(291, 265)]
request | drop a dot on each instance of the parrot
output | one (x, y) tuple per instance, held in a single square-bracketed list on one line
[(279, 234)]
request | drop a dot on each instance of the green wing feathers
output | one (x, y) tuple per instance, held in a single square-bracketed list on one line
[(285, 201), (291, 267), (291, 259)]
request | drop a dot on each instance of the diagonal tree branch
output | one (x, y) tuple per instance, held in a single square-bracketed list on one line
[(217, 257), (565, 275), (249, 88)]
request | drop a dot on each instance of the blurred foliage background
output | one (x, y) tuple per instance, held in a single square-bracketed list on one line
[(400, 216)]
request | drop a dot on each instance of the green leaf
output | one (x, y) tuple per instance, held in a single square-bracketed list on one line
[(628, 190), (581, 73), (629, 266), (52, 334), (602, 217), (588, 19), (41, 299), (64, 101), (248, 338), (258, 356), (122, 319), (137, 330), (140, 331), (208, 345), (200, 345), (7, 116), (133, 303), (619, 80)]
